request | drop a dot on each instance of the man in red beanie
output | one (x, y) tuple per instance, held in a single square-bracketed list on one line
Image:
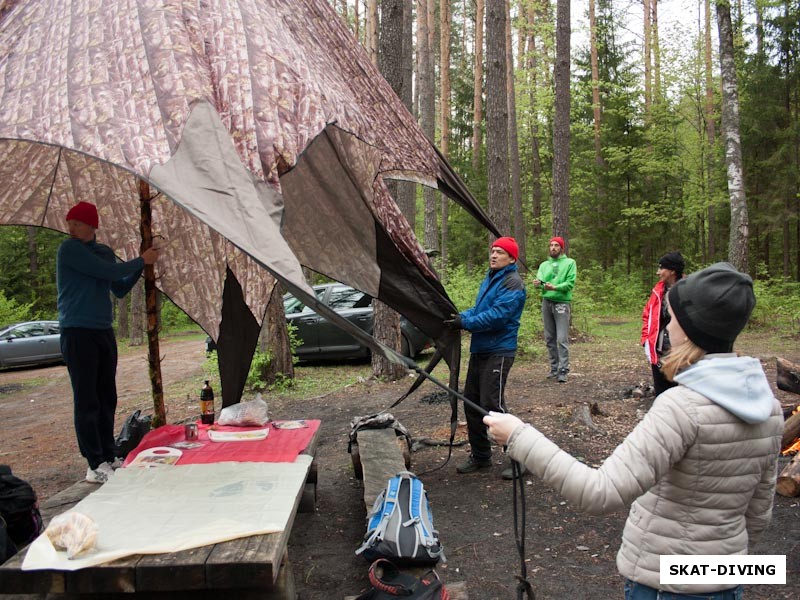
[(493, 322), (556, 278), (86, 272)]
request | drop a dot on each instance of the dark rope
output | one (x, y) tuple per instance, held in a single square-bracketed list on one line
[(524, 588)]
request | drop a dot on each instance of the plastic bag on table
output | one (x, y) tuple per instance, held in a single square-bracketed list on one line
[(74, 532), (251, 413)]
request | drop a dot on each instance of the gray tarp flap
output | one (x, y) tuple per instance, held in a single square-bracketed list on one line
[(315, 191)]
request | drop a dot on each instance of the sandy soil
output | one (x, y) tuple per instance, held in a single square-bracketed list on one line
[(567, 554)]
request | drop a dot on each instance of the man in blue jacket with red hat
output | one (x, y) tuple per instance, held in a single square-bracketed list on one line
[(493, 323)]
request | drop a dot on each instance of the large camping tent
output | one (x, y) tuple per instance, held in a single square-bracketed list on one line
[(263, 127)]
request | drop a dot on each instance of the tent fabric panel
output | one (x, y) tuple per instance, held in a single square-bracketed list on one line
[(316, 197), (24, 193), (207, 178), (238, 335)]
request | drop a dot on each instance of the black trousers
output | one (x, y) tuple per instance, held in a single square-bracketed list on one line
[(660, 383), (91, 357), (485, 386)]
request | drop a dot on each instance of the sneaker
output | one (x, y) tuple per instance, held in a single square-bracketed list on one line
[(116, 463), (96, 475), (552, 374), (473, 465), (508, 473), (106, 468), (562, 377)]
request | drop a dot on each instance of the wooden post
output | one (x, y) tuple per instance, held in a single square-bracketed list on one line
[(151, 306)]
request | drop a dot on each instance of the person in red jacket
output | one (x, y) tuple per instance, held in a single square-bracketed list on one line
[(655, 317)]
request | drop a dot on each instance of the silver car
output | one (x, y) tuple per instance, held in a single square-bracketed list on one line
[(324, 340), (30, 343)]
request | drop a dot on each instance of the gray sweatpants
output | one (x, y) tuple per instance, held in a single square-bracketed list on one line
[(555, 317)]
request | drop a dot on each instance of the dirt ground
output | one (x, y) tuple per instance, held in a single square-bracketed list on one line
[(567, 554)]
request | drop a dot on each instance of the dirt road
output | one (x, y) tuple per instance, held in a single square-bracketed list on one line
[(37, 438)]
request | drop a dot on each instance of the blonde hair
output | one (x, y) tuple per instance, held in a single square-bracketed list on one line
[(680, 357)]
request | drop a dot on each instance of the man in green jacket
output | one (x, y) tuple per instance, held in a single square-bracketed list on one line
[(556, 278)]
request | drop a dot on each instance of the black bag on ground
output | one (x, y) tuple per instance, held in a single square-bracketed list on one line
[(389, 583), (19, 508), (133, 430), (7, 547)]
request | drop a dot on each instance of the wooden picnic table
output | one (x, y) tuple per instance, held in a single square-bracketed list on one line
[(253, 566)]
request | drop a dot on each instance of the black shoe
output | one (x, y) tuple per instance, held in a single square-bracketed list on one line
[(562, 377), (552, 374), (473, 465), (508, 473)]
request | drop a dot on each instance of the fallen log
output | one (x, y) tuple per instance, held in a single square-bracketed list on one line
[(788, 378), (791, 430), (788, 483)]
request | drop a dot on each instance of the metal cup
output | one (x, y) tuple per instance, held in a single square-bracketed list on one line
[(190, 431)]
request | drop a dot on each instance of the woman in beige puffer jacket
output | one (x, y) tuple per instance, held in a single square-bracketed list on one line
[(699, 471)]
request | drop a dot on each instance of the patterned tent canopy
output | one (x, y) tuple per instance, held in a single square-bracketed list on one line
[(263, 127)]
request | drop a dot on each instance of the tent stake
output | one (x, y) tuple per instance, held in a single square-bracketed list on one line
[(151, 305)]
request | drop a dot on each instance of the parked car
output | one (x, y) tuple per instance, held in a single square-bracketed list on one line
[(30, 343), (324, 340)]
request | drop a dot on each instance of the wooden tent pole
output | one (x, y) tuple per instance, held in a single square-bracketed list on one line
[(151, 305)]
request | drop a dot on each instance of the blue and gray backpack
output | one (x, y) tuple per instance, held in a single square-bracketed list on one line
[(400, 525)]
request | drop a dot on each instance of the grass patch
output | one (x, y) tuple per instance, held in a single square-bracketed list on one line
[(319, 379)]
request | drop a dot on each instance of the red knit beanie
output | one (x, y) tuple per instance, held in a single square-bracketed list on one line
[(508, 244), (85, 212), (558, 240)]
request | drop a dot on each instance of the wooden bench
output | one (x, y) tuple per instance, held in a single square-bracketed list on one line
[(251, 567), (378, 456)]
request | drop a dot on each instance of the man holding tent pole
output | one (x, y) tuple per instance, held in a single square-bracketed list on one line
[(86, 272), (494, 323)]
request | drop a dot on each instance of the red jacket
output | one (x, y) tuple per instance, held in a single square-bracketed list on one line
[(651, 318)]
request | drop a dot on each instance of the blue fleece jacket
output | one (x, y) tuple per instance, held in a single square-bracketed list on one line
[(494, 320), (85, 274)]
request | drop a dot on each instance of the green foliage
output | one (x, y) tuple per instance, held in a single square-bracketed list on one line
[(777, 305), (13, 312), (261, 360), (211, 366), (173, 318)]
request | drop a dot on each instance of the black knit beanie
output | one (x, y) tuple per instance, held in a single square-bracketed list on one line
[(713, 305), (674, 262)]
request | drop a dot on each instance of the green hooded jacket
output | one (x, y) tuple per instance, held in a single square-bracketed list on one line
[(561, 272)]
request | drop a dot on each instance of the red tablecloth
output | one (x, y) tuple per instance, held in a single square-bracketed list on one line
[(280, 445)]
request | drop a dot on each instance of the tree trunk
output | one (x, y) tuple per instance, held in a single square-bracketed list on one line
[(392, 58), (444, 109), (536, 160), (656, 49), (123, 330), (274, 338), (33, 256), (371, 28), (711, 136), (647, 58), (513, 146), (497, 116), (602, 210), (477, 80), (561, 131), (427, 108), (151, 304), (739, 232)]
